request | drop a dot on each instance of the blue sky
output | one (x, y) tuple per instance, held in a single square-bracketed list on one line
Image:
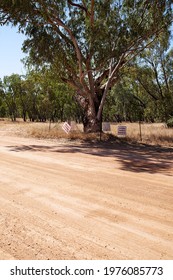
[(10, 51)]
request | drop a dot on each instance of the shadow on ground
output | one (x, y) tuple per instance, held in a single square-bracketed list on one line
[(132, 157)]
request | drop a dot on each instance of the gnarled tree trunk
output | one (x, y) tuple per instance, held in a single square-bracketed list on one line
[(91, 123), (90, 120)]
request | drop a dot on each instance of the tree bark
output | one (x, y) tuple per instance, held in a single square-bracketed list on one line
[(91, 123)]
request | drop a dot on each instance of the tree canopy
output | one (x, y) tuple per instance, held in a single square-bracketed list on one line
[(87, 42)]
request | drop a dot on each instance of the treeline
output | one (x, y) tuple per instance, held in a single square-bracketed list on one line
[(37, 97), (144, 92)]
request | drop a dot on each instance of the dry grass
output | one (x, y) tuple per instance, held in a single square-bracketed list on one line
[(152, 134), (56, 132), (47, 131)]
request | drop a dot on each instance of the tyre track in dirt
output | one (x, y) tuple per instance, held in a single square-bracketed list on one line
[(57, 205)]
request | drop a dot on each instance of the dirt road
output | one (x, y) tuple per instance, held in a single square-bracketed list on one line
[(62, 200)]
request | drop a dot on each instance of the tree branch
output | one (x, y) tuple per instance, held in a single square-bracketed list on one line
[(92, 13), (146, 89), (112, 71), (82, 7), (164, 73), (90, 77)]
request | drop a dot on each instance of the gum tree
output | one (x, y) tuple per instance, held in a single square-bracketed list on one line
[(87, 42)]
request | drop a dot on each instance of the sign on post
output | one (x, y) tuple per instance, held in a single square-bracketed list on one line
[(122, 131), (106, 126), (66, 127), (73, 126)]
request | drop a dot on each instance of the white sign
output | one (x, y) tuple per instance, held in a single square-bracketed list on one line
[(106, 126), (73, 126), (122, 131), (66, 127)]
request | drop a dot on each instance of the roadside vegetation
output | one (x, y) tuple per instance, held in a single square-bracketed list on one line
[(124, 74), (144, 92), (155, 134)]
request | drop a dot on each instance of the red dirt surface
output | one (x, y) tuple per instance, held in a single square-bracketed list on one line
[(71, 200)]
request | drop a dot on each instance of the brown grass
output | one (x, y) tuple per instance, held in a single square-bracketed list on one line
[(56, 132), (152, 134)]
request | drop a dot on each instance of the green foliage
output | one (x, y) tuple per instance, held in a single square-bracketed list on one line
[(122, 104), (11, 88), (145, 89), (37, 97), (87, 43), (170, 122)]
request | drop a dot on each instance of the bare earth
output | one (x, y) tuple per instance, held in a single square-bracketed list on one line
[(70, 200)]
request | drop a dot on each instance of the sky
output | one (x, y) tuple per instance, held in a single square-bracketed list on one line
[(10, 51)]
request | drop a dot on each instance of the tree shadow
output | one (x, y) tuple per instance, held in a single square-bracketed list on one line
[(132, 157)]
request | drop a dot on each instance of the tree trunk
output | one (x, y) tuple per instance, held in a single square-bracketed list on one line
[(91, 124), (90, 121), (24, 116)]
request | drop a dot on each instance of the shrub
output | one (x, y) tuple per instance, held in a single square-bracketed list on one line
[(170, 122)]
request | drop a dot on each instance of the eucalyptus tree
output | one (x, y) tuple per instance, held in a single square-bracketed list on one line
[(145, 90), (11, 88), (15, 97), (126, 101), (3, 107), (48, 98), (87, 42), (154, 77)]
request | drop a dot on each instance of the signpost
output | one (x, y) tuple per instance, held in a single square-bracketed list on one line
[(140, 131), (73, 126), (106, 126), (66, 127), (122, 131)]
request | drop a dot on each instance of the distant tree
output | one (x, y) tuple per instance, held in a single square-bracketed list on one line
[(87, 42), (11, 88), (3, 109), (154, 77), (125, 101), (145, 90), (14, 96), (48, 98)]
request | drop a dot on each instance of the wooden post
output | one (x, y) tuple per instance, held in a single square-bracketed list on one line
[(101, 129), (50, 124), (140, 131)]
